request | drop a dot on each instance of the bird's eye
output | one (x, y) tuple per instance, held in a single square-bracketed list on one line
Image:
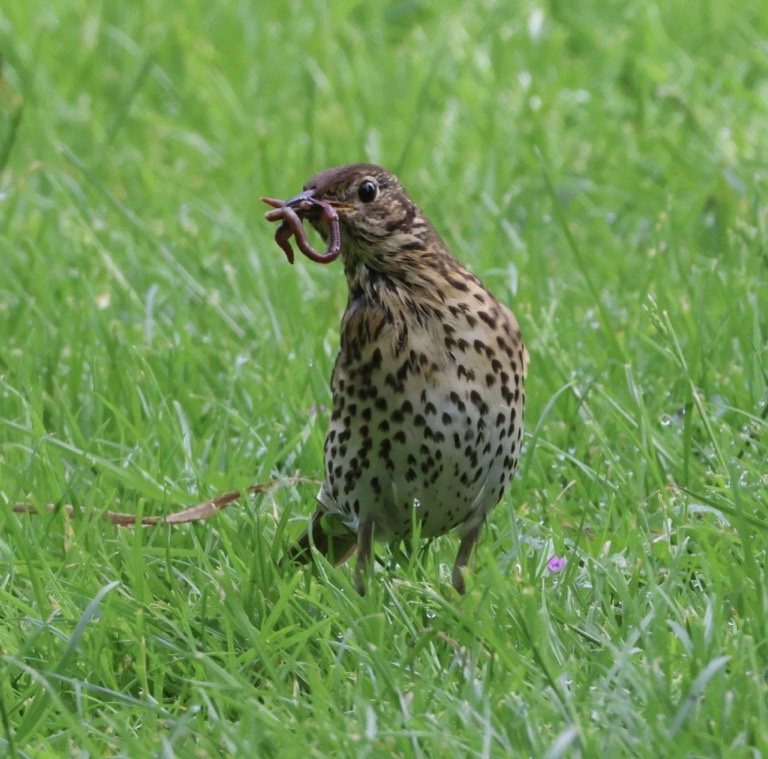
[(367, 191)]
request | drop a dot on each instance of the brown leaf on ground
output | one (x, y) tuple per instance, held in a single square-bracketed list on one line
[(195, 513)]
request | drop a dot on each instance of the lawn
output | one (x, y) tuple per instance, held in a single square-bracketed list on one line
[(602, 166)]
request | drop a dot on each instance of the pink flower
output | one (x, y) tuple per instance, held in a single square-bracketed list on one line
[(555, 563)]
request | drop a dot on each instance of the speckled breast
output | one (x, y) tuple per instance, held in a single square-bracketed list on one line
[(426, 422)]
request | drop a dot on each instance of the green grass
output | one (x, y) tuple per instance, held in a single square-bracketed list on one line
[(602, 166)]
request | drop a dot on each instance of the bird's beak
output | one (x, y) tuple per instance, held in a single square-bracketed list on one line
[(305, 202), (300, 199)]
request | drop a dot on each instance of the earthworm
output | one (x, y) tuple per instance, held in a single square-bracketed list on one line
[(290, 214)]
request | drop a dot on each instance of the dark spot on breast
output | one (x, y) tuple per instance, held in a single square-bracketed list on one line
[(477, 400), (510, 462), (458, 284), (488, 318)]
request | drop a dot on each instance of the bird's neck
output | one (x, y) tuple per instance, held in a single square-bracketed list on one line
[(416, 280)]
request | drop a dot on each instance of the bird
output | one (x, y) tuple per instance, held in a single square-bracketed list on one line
[(427, 387)]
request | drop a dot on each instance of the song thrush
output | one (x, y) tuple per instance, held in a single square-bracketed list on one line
[(428, 396)]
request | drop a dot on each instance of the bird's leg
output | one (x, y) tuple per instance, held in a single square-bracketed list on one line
[(364, 545), (466, 545)]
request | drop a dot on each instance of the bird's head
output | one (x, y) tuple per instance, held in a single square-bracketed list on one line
[(382, 231), (375, 213), (363, 213)]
